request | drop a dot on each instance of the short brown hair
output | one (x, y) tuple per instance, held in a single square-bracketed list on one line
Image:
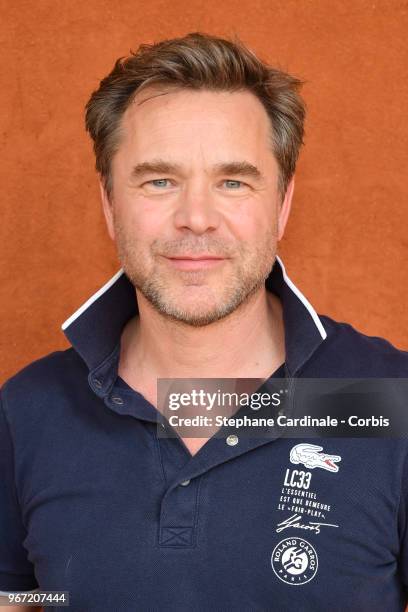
[(197, 61)]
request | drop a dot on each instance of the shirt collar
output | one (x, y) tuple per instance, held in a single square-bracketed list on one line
[(94, 329)]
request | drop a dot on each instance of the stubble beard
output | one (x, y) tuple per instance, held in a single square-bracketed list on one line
[(249, 270)]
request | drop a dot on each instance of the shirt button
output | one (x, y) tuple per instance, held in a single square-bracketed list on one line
[(232, 440), (185, 483), (117, 400), (97, 383)]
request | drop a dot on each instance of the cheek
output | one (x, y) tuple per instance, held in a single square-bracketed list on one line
[(136, 222), (250, 222)]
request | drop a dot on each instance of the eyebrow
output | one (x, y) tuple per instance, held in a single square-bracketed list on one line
[(160, 166)]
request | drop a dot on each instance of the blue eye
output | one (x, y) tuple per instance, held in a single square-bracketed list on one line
[(234, 185), (160, 181)]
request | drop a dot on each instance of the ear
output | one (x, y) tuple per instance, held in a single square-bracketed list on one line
[(285, 208), (107, 207)]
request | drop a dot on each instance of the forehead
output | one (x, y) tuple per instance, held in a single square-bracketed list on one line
[(167, 113)]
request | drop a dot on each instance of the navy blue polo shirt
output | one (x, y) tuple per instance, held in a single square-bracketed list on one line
[(95, 502)]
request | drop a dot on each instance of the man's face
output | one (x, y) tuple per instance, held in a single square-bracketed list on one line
[(195, 176)]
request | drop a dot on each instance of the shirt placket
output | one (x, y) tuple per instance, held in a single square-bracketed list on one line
[(184, 474)]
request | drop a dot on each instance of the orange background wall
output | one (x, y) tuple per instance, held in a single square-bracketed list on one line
[(346, 244)]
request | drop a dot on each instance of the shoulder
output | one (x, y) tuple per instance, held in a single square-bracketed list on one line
[(350, 352), (44, 380), (47, 370)]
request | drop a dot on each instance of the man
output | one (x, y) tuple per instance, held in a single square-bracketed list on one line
[(196, 143)]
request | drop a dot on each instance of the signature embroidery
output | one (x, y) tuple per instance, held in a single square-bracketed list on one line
[(311, 457), (293, 521)]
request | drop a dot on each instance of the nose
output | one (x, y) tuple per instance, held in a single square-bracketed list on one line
[(196, 208)]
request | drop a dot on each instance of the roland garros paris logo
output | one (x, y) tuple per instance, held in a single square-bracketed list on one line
[(294, 561)]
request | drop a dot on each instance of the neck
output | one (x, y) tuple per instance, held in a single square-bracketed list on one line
[(247, 343)]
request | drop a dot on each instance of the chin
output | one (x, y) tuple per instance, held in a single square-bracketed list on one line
[(194, 313)]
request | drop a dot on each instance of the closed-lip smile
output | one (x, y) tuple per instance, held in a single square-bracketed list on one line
[(196, 257), (195, 262)]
